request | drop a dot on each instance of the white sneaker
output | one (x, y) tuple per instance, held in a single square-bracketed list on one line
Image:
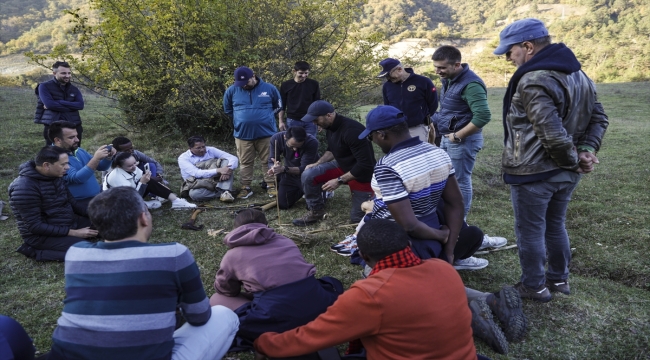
[(493, 242), (227, 197), (346, 242), (161, 199), (180, 204), (153, 204), (471, 263), (329, 194)]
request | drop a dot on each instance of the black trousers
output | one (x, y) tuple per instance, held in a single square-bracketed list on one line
[(289, 190), (48, 142), (54, 248), (158, 189)]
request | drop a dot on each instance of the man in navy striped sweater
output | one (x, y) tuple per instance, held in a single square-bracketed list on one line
[(122, 293)]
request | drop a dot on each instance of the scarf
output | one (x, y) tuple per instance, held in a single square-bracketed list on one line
[(401, 259)]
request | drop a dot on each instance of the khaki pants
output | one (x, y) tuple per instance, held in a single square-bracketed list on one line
[(246, 151)]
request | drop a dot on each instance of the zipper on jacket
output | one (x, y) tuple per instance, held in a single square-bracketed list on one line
[(517, 144)]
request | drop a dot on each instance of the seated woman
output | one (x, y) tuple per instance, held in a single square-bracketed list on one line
[(126, 173), (279, 292)]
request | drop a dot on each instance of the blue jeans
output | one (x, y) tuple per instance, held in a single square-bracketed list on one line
[(463, 157), (540, 213), (310, 128)]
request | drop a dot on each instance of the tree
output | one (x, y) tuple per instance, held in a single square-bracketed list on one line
[(168, 62)]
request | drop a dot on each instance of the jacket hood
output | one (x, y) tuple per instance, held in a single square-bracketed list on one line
[(249, 234), (29, 169)]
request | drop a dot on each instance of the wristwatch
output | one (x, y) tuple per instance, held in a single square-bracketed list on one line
[(286, 169), (456, 138), (340, 180)]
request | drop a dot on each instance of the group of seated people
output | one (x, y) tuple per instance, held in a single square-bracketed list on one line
[(267, 297)]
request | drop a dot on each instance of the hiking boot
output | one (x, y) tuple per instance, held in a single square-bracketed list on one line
[(493, 242), (226, 197), (245, 192), (312, 217), (471, 263), (271, 190), (506, 305), (485, 328), (346, 242), (559, 286), (182, 204), (263, 185), (540, 294)]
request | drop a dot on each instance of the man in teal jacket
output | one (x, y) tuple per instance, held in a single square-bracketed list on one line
[(252, 104)]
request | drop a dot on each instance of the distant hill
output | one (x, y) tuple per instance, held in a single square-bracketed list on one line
[(610, 37)]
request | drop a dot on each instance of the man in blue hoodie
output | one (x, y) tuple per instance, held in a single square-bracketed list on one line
[(554, 125), (252, 104)]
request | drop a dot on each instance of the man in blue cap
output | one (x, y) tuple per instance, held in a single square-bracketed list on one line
[(554, 125), (414, 94), (415, 186), (347, 161), (252, 104)]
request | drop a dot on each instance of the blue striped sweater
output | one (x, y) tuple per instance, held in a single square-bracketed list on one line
[(121, 300)]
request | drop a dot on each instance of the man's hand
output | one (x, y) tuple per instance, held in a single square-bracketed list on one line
[(282, 126), (276, 169), (331, 185), (587, 161), (84, 233), (225, 173), (103, 152)]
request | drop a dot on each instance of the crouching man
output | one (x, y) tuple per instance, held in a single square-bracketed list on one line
[(122, 293), (407, 308)]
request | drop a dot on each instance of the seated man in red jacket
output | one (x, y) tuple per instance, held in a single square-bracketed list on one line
[(406, 308)]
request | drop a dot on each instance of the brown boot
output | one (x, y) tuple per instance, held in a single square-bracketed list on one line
[(312, 217)]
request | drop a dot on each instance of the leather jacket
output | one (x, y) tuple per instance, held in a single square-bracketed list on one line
[(551, 113)]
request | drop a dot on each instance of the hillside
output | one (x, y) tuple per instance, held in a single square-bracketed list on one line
[(610, 37)]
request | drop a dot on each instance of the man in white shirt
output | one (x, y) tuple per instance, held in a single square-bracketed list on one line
[(207, 172)]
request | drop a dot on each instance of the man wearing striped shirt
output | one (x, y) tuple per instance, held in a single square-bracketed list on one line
[(414, 184), (122, 293)]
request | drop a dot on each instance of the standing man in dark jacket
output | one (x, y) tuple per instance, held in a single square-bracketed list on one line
[(414, 94), (297, 94), (49, 218), (58, 99), (299, 149), (554, 125), (463, 113), (347, 161)]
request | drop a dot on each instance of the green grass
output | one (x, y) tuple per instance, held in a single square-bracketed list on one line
[(608, 316)]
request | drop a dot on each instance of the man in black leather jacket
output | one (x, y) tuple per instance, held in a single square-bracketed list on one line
[(49, 218), (554, 125)]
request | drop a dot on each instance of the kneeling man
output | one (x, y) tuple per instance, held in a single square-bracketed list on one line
[(49, 218), (122, 293), (407, 308)]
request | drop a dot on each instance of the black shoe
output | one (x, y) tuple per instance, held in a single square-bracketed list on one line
[(559, 286), (27, 250), (540, 294), (263, 185), (485, 328), (506, 305)]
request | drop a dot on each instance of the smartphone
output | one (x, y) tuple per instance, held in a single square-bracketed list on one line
[(146, 167), (109, 147)]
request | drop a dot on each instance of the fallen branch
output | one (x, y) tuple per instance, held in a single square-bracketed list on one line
[(494, 250)]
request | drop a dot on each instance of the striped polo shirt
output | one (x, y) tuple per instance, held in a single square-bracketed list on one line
[(121, 300), (412, 170)]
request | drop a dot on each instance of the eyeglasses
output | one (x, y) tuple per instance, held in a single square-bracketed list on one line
[(509, 52), (369, 137)]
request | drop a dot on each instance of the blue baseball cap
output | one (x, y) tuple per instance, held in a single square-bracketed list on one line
[(382, 117), (242, 75), (316, 109), (518, 32), (387, 65)]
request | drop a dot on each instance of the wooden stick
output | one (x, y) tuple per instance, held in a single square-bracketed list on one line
[(493, 250), (275, 178)]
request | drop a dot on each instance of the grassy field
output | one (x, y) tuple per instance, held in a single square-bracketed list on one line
[(608, 315)]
